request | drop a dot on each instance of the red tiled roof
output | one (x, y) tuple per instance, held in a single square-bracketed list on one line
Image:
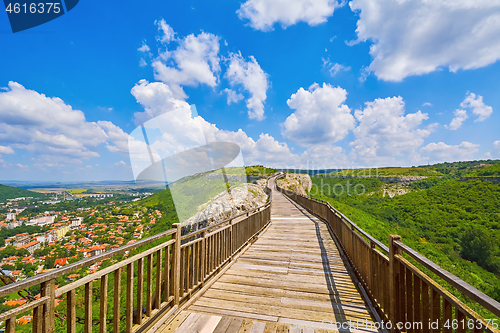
[(14, 302), (25, 320), (30, 244), (61, 261)]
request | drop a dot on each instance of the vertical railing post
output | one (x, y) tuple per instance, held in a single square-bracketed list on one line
[(129, 309), (371, 268), (103, 304), (231, 248), (71, 311), (117, 300), (88, 307), (353, 256), (49, 289), (176, 260), (393, 281), (203, 256)]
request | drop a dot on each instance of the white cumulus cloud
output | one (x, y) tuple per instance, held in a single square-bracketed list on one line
[(442, 152), (116, 138), (179, 130), (233, 96), (156, 98), (415, 37), (266, 150), (495, 151), (456, 122), (175, 128), (166, 33), (253, 79), (320, 117), (48, 127), (6, 150), (481, 110), (334, 68), (324, 156), (194, 61), (263, 14), (144, 48), (385, 132)]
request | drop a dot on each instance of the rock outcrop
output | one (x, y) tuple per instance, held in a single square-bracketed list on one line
[(227, 204), (398, 179), (296, 182)]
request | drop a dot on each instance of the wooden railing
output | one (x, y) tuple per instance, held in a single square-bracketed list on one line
[(174, 270), (403, 295)]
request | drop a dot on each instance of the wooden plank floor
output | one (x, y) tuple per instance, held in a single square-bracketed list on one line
[(291, 276), (195, 322)]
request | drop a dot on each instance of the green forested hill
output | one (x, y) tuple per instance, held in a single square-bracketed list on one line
[(489, 171), (455, 224), (8, 192), (188, 194), (459, 169), (390, 172), (452, 169)]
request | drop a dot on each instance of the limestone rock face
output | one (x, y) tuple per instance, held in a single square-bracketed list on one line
[(296, 182), (227, 204)]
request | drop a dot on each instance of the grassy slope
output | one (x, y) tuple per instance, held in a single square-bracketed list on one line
[(192, 192), (460, 169), (249, 170), (389, 172), (456, 169), (489, 171), (8, 192)]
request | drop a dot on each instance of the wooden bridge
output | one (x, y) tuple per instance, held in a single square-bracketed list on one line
[(292, 265)]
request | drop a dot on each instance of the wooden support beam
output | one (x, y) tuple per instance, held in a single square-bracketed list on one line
[(116, 300), (88, 307), (103, 311), (176, 262), (130, 298), (393, 281), (140, 285), (149, 286), (71, 311)]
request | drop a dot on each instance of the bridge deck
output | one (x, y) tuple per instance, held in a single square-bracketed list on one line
[(293, 274)]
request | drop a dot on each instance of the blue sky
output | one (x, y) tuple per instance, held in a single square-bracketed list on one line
[(325, 83)]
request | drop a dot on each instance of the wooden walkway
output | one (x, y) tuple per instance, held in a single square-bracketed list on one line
[(293, 276)]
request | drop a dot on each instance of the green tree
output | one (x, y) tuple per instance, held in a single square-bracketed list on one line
[(8, 267), (49, 262), (478, 246)]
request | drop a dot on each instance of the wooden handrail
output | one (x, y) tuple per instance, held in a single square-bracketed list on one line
[(442, 291), (40, 278), (181, 270), (482, 299), (17, 311), (214, 226), (400, 292), (63, 290)]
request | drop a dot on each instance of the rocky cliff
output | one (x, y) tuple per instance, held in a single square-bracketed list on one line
[(296, 182), (398, 179), (227, 204)]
